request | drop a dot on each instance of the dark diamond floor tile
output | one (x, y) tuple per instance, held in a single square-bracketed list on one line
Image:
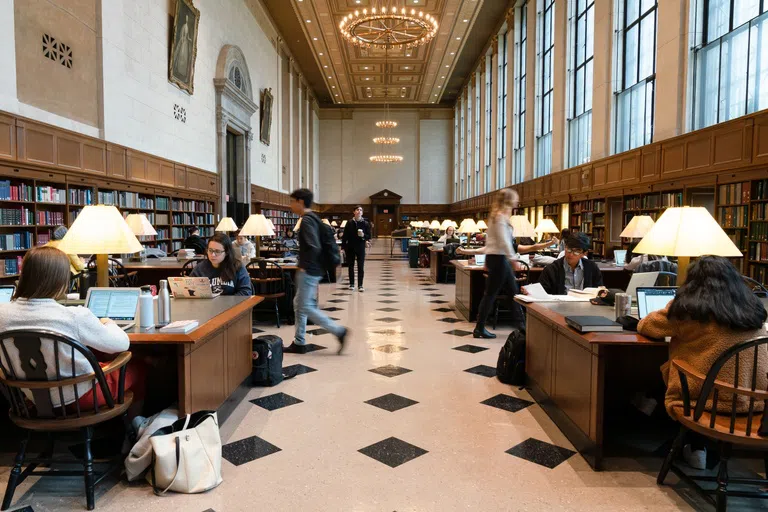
[(438, 302), (443, 310), (276, 401), (256, 330), (388, 295), (317, 332), (429, 289), (342, 294), (484, 370), (333, 308), (297, 369), (247, 450), (387, 302), (391, 402), (388, 332), (450, 320), (387, 289), (388, 310), (434, 295), (507, 403), (458, 332), (390, 370), (337, 301), (312, 347), (472, 349), (389, 349), (393, 452), (544, 454), (30, 509), (388, 319)]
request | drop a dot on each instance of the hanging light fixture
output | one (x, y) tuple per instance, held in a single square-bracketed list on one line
[(386, 139), (388, 25)]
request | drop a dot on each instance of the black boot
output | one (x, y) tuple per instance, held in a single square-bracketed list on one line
[(481, 332)]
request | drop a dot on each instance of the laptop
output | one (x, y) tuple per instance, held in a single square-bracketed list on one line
[(620, 256), (118, 304), (191, 288), (6, 293), (653, 299), (641, 280)]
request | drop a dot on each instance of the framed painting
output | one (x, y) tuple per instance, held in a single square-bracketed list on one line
[(181, 67), (265, 127)]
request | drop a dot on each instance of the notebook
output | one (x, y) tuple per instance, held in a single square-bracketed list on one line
[(191, 288), (6, 293), (653, 299), (593, 324), (118, 304)]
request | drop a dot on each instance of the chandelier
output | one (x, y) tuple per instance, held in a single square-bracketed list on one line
[(386, 140), (386, 124), (388, 26), (386, 159)]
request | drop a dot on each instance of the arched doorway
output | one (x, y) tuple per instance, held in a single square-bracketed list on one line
[(234, 109), (385, 206)]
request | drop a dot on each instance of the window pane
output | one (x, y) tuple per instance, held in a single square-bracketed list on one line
[(588, 88), (719, 13), (648, 113), (758, 65), (630, 58), (580, 91), (633, 7), (636, 122), (591, 32), (744, 10), (581, 29), (647, 47), (707, 77), (646, 4), (733, 74)]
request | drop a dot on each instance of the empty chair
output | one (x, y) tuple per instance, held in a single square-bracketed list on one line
[(268, 280)]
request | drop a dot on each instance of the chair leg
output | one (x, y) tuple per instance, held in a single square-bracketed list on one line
[(765, 461), (677, 445), (721, 498), (88, 469), (13, 478), (277, 313)]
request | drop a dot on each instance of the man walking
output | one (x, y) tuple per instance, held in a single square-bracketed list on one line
[(354, 241), (311, 271)]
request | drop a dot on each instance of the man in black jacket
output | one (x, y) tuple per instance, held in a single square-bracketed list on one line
[(310, 273), (572, 271), (193, 241), (354, 241)]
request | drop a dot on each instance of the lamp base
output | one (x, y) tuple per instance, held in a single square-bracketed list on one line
[(682, 269), (102, 270)]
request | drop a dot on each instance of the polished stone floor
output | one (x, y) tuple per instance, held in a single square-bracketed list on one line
[(409, 418)]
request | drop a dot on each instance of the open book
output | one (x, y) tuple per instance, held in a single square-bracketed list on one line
[(589, 293), (536, 293)]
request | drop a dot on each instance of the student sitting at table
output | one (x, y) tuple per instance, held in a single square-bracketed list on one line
[(44, 279), (572, 271), (450, 233), (193, 241), (222, 266), (713, 311), (290, 243), (76, 265), (645, 260), (244, 248)]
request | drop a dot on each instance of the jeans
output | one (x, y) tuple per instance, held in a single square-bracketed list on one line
[(500, 277), (305, 306), (359, 254)]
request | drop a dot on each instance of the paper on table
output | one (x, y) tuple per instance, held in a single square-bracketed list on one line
[(537, 293), (586, 292)]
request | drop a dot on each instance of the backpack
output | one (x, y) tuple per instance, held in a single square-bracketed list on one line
[(510, 368), (267, 367), (331, 254)]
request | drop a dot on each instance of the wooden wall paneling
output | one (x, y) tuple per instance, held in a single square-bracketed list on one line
[(572, 380), (69, 153), (180, 176), (208, 358), (80, 154), (31, 174), (698, 152), (547, 188), (650, 163), (538, 188), (672, 158), (137, 166), (153, 170), (740, 176), (116, 161), (760, 139), (732, 144), (630, 168), (539, 354), (7, 137), (37, 143), (95, 158), (600, 174), (167, 176)]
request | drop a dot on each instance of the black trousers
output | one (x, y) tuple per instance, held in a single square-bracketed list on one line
[(356, 253), (501, 277)]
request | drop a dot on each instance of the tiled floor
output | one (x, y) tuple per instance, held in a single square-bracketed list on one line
[(409, 418)]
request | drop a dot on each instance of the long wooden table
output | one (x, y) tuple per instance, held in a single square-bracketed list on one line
[(470, 283), (214, 359)]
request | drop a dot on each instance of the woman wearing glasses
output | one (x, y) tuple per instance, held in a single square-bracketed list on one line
[(222, 266), (573, 270)]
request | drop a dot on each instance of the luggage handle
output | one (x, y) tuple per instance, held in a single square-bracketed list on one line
[(175, 475)]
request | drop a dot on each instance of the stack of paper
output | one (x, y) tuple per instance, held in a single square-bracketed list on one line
[(537, 293)]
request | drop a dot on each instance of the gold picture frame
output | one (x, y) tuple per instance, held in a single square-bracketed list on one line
[(181, 66), (265, 117)]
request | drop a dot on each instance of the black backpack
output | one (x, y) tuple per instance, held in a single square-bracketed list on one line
[(330, 249), (267, 360), (510, 368)]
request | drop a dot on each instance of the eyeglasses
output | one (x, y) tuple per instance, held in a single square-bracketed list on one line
[(575, 252), (214, 252)]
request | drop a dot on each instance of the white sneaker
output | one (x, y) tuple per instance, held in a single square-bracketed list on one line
[(361, 289), (697, 459), (352, 288)]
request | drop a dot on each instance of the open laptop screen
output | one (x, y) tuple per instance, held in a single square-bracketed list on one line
[(653, 299), (119, 305), (6, 293)]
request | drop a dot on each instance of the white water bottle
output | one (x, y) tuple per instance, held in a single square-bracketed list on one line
[(146, 308)]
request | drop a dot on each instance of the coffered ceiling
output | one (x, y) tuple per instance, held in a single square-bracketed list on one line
[(343, 74)]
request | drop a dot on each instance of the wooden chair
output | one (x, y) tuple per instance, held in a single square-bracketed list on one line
[(28, 373), (118, 276), (188, 267), (522, 273), (268, 281), (728, 429)]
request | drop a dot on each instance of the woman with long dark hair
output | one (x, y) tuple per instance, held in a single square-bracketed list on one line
[(225, 270), (713, 311)]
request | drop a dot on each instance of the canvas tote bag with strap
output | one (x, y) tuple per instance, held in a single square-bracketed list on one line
[(187, 455)]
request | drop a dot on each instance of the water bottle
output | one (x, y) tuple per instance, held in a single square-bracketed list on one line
[(146, 308), (163, 304)]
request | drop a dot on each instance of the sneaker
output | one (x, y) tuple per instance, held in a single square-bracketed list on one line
[(342, 339), (697, 459), (295, 349), (351, 288), (361, 289)]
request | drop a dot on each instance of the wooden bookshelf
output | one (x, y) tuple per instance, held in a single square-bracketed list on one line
[(588, 217), (552, 211), (283, 219), (757, 232)]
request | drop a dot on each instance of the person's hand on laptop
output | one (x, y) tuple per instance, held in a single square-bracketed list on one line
[(106, 321)]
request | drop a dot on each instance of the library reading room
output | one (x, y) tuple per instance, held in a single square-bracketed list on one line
[(383, 255)]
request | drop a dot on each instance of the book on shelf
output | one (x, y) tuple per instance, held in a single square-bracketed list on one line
[(761, 190), (733, 216), (632, 203), (48, 194), (734, 193), (10, 266), (80, 196), (19, 216), (758, 251), (16, 191), (759, 231), (759, 211), (16, 241), (45, 218)]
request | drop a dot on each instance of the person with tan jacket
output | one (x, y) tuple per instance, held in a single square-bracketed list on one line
[(713, 311)]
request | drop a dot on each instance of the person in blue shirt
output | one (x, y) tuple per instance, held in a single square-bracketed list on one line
[(224, 268)]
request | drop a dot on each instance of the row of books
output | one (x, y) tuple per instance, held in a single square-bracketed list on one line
[(16, 191), (581, 206), (739, 238), (732, 216), (81, 196), (761, 190), (45, 218), (162, 203), (44, 237), (278, 214), (734, 193), (192, 206), (759, 231), (179, 233), (134, 200), (552, 209), (16, 241), (21, 216), (759, 273), (598, 248), (108, 197), (758, 251), (161, 219), (10, 266), (183, 218), (759, 211), (598, 233), (51, 195)]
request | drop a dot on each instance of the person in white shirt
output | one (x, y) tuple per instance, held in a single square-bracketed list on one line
[(245, 249), (450, 232), (44, 279)]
